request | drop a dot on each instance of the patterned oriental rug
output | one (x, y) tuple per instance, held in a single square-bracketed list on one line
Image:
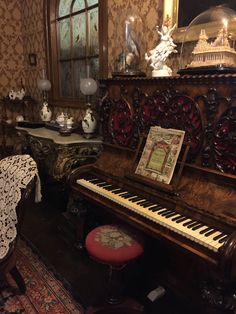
[(44, 294)]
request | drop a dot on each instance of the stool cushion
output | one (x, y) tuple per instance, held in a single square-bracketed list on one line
[(113, 245)]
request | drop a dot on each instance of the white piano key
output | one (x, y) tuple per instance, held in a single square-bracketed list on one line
[(178, 227)]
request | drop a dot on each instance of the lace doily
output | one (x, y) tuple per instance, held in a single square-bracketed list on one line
[(15, 173)]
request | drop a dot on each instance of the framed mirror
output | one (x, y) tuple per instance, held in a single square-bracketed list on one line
[(182, 12)]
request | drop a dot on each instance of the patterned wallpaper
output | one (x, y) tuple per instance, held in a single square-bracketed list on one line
[(34, 42), (22, 32), (150, 12), (11, 52)]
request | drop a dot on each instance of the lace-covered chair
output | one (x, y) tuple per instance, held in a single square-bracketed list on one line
[(18, 177)]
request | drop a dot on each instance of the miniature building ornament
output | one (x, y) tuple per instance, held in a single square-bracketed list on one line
[(218, 52)]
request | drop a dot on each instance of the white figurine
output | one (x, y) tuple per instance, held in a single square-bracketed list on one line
[(159, 54)]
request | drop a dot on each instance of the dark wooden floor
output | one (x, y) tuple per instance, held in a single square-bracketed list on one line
[(86, 278)]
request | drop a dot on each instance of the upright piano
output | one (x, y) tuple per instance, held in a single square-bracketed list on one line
[(193, 219)]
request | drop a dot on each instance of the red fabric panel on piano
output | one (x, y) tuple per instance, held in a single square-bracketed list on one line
[(113, 245)]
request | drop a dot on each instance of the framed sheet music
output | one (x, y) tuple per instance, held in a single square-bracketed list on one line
[(160, 154)]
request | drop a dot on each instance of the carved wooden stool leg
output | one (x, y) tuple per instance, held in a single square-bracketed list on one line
[(115, 286)]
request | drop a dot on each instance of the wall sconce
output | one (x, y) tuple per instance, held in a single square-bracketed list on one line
[(88, 87)]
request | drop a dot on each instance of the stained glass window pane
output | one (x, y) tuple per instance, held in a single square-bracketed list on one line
[(65, 70), (79, 35), (78, 5), (64, 27), (79, 72), (64, 7), (93, 32), (92, 2)]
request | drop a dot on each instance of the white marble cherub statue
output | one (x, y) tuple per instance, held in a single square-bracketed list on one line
[(157, 56)]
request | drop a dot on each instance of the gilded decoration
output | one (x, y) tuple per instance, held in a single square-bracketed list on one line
[(113, 237), (57, 161)]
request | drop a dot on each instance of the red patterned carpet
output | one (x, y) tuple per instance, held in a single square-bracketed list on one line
[(44, 294)]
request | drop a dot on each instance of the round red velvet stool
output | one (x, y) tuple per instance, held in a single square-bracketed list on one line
[(115, 246)]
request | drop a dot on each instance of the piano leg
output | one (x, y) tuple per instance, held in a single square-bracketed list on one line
[(78, 211)]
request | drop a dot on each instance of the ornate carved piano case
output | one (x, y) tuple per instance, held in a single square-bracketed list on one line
[(199, 268)]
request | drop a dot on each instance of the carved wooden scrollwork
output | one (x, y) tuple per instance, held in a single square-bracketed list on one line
[(57, 161), (68, 157), (211, 103), (170, 109), (225, 142), (106, 104), (121, 122)]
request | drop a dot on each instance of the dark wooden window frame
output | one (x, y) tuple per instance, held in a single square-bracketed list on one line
[(50, 9)]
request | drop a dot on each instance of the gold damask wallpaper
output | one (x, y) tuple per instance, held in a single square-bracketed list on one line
[(12, 57), (22, 32), (150, 12)]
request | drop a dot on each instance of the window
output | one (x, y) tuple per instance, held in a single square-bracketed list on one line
[(76, 45)]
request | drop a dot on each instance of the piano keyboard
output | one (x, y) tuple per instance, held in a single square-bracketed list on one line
[(192, 229)]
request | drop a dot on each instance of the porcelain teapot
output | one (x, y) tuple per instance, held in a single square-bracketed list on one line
[(69, 122), (61, 119)]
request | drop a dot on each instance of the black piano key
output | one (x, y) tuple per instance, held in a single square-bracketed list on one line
[(178, 217), (169, 211), (132, 198), (223, 239), (126, 193), (127, 196), (102, 184), (182, 219), (143, 201), (195, 223), (156, 208), (171, 214), (205, 230), (95, 180), (219, 236), (111, 188), (148, 204), (207, 234), (164, 210), (197, 226), (137, 198), (119, 191), (185, 224)]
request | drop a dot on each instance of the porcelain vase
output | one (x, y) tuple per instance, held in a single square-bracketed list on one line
[(45, 112)]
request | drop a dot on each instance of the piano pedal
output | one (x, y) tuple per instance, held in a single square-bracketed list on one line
[(156, 294)]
